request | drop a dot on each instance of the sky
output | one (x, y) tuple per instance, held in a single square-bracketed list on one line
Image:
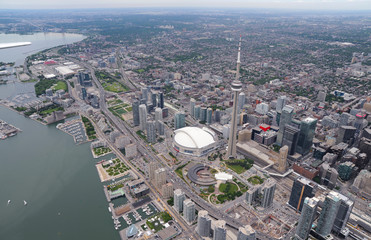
[(272, 4)]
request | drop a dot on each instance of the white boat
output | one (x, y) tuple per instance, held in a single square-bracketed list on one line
[(24, 202), (9, 202), (109, 209)]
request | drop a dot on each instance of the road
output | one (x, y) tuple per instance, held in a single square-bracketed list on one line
[(149, 154)]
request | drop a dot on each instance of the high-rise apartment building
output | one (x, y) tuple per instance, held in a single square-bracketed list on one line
[(158, 117), (209, 115), (268, 192), (246, 233), (179, 198), (161, 100), (197, 112), (306, 218), (203, 224), (152, 167), (189, 210), (143, 117), (151, 132), (160, 177), (192, 107), (220, 231), (328, 214), (135, 108), (179, 120)]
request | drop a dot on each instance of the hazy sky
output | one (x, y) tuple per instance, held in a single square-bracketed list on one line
[(290, 4)]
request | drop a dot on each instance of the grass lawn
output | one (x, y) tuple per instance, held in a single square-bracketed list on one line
[(237, 168), (61, 85), (113, 87), (255, 180), (179, 171), (90, 131), (48, 111), (228, 187)]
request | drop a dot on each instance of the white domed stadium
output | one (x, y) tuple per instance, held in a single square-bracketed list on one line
[(194, 141)]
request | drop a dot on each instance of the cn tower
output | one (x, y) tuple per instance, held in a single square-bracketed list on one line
[(236, 88)]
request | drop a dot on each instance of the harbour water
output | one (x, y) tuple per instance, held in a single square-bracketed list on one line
[(56, 177)]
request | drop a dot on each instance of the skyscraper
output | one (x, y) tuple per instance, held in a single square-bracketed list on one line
[(301, 189), (151, 131), (167, 190), (145, 94), (246, 233), (217, 115), (197, 113), (160, 177), (203, 114), (192, 107), (143, 117), (346, 134), (306, 218), (268, 192), (345, 209), (179, 197), (161, 100), (306, 135), (290, 138), (220, 232), (179, 120), (328, 214), (189, 210), (281, 102), (282, 160), (154, 99), (285, 118), (136, 113), (152, 167), (158, 117), (241, 100), (209, 115), (236, 87), (161, 128), (203, 224)]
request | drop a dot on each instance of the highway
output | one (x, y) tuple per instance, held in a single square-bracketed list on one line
[(148, 153), (128, 131)]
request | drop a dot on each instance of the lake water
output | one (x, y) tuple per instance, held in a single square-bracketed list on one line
[(57, 178), (40, 41)]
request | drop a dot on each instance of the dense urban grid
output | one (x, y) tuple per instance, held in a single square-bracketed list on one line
[(224, 125)]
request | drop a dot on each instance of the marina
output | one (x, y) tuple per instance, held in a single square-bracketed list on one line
[(75, 128), (7, 130)]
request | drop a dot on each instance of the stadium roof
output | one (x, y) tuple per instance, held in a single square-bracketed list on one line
[(193, 137)]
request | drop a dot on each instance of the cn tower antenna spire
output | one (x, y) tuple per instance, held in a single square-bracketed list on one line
[(236, 87), (238, 60)]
